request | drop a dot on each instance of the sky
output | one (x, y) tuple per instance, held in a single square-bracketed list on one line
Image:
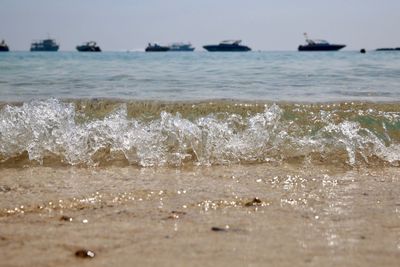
[(120, 25)]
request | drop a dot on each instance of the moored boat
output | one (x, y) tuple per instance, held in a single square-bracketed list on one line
[(388, 49), (4, 46), (46, 45), (88, 47), (181, 47), (156, 48), (319, 45), (227, 46)]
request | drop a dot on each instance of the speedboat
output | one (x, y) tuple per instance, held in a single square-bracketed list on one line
[(319, 45), (46, 45), (227, 46), (156, 48), (89, 47), (4, 46), (181, 47)]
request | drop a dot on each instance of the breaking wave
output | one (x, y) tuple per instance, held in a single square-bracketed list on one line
[(98, 132)]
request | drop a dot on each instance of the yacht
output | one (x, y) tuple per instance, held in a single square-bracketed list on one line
[(156, 48), (88, 47), (388, 49), (227, 46), (4, 46), (181, 47), (319, 45), (46, 45)]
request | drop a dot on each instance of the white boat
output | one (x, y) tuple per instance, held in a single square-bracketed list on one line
[(181, 47)]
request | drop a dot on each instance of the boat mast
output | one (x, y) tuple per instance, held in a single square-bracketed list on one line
[(308, 41), (306, 36)]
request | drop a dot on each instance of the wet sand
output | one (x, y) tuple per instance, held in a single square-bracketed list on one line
[(208, 216)]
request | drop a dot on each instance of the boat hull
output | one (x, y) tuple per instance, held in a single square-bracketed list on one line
[(47, 49), (227, 48), (311, 48), (88, 49), (157, 49), (388, 49), (181, 50), (4, 49)]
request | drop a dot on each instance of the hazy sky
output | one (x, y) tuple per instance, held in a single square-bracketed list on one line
[(261, 24)]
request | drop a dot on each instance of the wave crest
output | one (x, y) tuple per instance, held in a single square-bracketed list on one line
[(51, 131)]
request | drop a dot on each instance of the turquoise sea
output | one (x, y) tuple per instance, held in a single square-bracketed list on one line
[(272, 76)]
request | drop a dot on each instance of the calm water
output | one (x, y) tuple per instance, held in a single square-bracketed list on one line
[(276, 76)]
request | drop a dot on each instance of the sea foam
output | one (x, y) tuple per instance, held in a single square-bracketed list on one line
[(49, 131)]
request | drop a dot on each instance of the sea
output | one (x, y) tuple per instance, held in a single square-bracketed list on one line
[(175, 109), (208, 159)]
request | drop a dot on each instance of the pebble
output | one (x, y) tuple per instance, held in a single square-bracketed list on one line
[(176, 214), (84, 254), (255, 202), (66, 218), (4, 188), (218, 229)]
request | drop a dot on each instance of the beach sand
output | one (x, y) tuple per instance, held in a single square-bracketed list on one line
[(200, 216)]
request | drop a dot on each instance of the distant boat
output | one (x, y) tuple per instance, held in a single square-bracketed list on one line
[(388, 49), (181, 47), (88, 47), (156, 48), (319, 45), (227, 46), (46, 45), (4, 47)]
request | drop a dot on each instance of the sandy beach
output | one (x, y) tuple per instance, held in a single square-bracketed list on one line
[(239, 215)]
